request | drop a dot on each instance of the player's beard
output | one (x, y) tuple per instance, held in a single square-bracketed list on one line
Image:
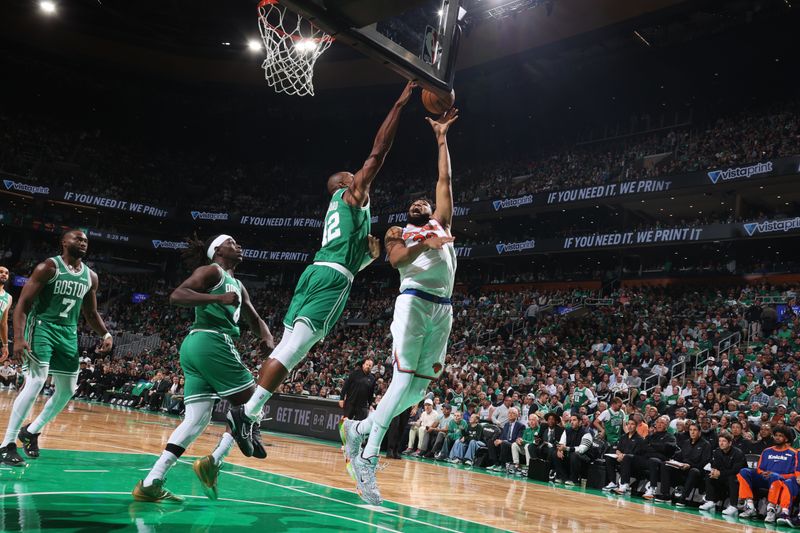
[(419, 220), (76, 252)]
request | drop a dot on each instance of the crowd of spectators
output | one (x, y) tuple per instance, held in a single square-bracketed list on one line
[(83, 162)]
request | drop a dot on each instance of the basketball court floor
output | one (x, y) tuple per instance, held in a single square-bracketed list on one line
[(93, 455)]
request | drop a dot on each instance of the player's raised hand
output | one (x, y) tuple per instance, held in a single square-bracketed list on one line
[(374, 246), (229, 298), (436, 243), (405, 96), (442, 124)]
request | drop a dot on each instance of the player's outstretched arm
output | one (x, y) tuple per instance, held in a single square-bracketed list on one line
[(444, 187), (4, 330), (191, 292), (401, 255), (93, 318), (256, 323), (42, 274), (362, 180)]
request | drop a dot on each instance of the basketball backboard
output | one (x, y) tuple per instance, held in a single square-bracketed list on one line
[(416, 38)]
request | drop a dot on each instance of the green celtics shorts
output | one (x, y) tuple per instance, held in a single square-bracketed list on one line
[(319, 298), (211, 366), (52, 346)]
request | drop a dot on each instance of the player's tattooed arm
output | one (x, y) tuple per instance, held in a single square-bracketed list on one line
[(93, 318), (401, 255), (256, 323), (42, 274), (192, 292)]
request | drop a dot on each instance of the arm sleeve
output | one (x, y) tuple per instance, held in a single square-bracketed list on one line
[(586, 443)]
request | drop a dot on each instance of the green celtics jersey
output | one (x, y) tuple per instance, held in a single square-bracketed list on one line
[(5, 302), (579, 396), (218, 317), (612, 424), (344, 234), (457, 402), (60, 301)]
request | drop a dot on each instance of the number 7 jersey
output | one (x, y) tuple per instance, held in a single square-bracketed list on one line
[(344, 234), (60, 300)]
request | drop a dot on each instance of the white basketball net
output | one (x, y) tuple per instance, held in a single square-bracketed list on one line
[(291, 50)]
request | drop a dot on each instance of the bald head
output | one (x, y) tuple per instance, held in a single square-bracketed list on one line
[(340, 180)]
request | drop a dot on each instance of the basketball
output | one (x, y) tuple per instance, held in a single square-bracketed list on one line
[(436, 104)]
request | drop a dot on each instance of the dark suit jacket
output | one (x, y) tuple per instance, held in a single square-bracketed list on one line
[(511, 432)]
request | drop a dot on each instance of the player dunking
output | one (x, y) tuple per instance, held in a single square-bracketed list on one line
[(347, 248), (424, 254), (49, 306), (211, 365), (5, 306)]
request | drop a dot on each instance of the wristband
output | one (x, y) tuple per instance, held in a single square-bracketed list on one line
[(107, 335)]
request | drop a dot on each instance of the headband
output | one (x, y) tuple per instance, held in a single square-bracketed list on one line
[(216, 244)]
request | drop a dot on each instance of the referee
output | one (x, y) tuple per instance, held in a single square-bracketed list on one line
[(358, 391)]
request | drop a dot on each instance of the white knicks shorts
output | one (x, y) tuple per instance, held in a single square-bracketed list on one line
[(420, 330)]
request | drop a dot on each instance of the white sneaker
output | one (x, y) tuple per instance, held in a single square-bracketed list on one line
[(611, 486), (351, 439), (623, 488), (649, 494), (708, 506), (730, 510), (367, 486), (749, 512), (772, 515), (569, 483)]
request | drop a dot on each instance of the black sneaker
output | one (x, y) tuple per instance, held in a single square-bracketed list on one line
[(663, 499), (259, 452), (9, 456), (241, 429), (30, 442)]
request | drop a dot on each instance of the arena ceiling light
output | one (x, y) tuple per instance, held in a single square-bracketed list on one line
[(48, 7), (253, 45)]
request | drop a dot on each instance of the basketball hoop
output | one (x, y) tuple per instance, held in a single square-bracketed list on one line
[(293, 45)]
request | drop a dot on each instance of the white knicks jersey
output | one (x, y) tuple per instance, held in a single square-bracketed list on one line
[(433, 271)]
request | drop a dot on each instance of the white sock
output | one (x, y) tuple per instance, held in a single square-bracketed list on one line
[(293, 347), (223, 448), (160, 469), (255, 404), (24, 402)]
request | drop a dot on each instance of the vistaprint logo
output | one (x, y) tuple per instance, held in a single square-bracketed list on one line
[(772, 226), (24, 187), (203, 215), (170, 245), (516, 246), (512, 202), (740, 172)]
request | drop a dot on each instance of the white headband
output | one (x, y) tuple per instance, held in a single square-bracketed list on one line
[(216, 244)]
